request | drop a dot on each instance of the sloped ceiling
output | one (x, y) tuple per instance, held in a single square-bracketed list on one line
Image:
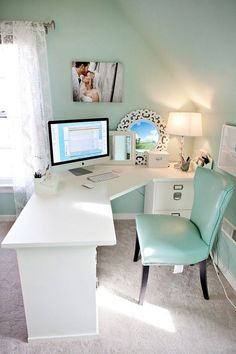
[(196, 40)]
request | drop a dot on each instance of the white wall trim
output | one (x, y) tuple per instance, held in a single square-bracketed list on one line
[(7, 218), (6, 185), (6, 189)]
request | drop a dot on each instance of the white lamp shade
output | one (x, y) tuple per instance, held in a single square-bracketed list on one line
[(184, 124)]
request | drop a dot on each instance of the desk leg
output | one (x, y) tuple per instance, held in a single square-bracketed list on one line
[(59, 291)]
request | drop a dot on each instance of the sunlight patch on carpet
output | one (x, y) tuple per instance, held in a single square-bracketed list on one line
[(150, 314)]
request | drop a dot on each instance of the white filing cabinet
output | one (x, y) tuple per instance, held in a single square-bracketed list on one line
[(173, 197)]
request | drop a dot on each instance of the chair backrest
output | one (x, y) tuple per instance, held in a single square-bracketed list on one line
[(212, 193)]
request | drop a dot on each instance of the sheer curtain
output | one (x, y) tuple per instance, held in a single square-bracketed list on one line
[(28, 104)]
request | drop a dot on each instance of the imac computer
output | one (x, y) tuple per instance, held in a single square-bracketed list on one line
[(82, 142)]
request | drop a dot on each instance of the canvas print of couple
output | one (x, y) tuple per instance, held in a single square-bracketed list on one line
[(97, 81)]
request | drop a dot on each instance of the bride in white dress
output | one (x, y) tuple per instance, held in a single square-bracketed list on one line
[(89, 93)]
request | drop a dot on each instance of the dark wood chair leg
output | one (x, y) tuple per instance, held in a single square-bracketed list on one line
[(137, 249), (203, 278), (143, 284)]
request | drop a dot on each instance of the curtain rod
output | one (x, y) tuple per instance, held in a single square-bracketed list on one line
[(49, 25)]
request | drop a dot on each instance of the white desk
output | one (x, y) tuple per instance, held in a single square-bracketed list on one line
[(55, 238)]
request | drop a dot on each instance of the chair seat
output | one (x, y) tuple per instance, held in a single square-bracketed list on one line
[(166, 239)]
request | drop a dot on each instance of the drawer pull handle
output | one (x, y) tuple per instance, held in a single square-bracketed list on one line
[(177, 195), (175, 214), (178, 187)]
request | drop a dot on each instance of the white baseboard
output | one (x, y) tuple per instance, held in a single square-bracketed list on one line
[(7, 217), (125, 216)]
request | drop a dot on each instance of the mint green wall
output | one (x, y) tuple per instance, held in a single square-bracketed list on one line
[(7, 205), (132, 202), (97, 30)]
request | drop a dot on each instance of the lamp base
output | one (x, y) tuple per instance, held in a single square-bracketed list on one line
[(179, 164)]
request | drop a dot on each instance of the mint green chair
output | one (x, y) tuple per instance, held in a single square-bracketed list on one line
[(175, 240)]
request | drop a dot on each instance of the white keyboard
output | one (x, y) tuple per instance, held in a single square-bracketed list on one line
[(103, 176)]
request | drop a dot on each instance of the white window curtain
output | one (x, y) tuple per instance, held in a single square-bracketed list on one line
[(28, 102)]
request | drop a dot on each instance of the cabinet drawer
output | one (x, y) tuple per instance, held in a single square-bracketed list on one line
[(185, 213), (173, 195), (166, 195)]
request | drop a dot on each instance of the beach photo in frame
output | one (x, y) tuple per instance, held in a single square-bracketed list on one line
[(94, 81), (150, 131)]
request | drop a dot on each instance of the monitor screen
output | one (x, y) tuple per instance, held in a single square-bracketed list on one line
[(78, 140)]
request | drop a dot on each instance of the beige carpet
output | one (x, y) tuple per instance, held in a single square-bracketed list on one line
[(174, 319)]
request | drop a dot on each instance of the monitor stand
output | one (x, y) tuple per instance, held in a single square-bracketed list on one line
[(79, 171)]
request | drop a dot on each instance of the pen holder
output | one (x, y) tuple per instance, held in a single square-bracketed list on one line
[(47, 184), (185, 166)]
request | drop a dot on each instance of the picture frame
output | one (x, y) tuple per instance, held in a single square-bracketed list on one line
[(150, 130), (96, 81), (122, 148)]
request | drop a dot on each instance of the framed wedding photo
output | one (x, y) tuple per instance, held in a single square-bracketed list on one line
[(97, 81)]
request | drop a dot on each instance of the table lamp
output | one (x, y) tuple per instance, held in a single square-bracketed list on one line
[(184, 124)]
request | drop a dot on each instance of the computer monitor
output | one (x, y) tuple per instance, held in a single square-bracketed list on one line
[(82, 142)]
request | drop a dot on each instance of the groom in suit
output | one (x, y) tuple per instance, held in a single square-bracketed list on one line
[(78, 69)]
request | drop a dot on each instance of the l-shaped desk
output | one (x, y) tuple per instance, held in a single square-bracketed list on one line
[(55, 238)]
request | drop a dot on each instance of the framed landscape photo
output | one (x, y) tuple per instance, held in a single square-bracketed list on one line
[(97, 81), (150, 132)]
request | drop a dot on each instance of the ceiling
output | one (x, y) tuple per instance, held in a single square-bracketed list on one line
[(196, 41)]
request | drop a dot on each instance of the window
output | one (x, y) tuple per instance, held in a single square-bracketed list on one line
[(7, 58), (5, 148)]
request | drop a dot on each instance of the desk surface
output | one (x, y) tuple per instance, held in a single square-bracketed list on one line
[(133, 177), (77, 216)]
